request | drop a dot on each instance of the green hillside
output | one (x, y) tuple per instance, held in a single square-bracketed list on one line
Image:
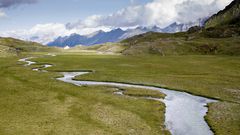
[(225, 23), (181, 44), (229, 16), (107, 48), (12, 47)]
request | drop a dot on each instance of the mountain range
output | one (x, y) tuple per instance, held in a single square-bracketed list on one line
[(116, 35)]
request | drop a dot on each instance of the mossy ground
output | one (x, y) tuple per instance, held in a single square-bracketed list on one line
[(224, 117)]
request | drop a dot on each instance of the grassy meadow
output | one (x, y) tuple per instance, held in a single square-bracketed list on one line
[(36, 103), (215, 77)]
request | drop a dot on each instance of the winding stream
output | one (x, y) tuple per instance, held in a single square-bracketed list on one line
[(184, 112)]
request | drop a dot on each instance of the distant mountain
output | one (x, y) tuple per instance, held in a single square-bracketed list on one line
[(71, 40), (116, 35), (139, 30), (229, 16), (173, 28), (98, 37), (103, 37)]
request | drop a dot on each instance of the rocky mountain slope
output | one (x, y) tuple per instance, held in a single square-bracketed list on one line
[(229, 16)]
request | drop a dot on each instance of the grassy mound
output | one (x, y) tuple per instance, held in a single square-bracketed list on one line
[(181, 44)]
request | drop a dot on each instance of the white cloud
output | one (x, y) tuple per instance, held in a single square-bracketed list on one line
[(191, 10), (157, 12), (42, 33), (45, 33)]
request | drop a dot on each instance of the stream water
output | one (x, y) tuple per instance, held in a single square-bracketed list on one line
[(184, 112)]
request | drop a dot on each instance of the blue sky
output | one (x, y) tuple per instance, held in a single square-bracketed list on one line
[(49, 19), (58, 11)]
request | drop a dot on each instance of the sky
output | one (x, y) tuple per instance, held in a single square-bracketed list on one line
[(45, 20)]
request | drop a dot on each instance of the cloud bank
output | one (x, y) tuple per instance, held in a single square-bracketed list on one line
[(44, 33), (157, 12)]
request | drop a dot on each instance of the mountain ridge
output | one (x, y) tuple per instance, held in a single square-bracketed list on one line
[(116, 35)]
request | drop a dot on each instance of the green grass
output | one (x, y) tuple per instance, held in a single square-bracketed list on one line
[(36, 103), (136, 92), (6, 51), (104, 49), (224, 117), (210, 76)]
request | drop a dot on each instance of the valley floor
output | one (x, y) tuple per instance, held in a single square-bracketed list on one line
[(35, 102)]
